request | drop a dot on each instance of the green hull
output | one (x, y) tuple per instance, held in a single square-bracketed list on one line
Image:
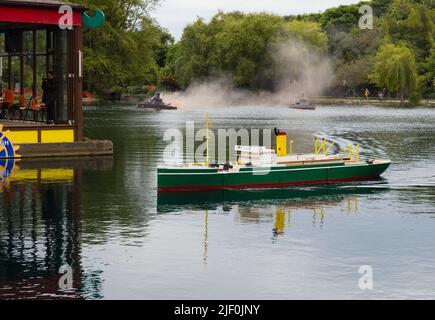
[(168, 202), (248, 178)]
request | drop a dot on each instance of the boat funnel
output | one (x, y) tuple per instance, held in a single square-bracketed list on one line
[(281, 143)]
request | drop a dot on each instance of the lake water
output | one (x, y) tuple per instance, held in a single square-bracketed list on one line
[(102, 218)]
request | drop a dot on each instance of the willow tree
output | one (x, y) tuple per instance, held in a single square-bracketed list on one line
[(430, 74), (395, 69)]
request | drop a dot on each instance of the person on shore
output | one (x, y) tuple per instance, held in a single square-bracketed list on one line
[(2, 105), (366, 93), (49, 97)]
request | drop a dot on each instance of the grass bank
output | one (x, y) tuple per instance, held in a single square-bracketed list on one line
[(371, 101)]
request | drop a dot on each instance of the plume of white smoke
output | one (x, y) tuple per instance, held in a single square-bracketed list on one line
[(297, 71), (214, 92), (300, 70)]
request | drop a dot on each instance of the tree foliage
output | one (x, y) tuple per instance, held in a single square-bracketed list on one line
[(353, 74), (401, 23), (429, 75), (395, 69), (340, 19), (132, 49), (128, 50), (412, 23), (237, 45), (308, 32)]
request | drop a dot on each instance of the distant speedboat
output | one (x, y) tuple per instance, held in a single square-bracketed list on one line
[(156, 103), (303, 105), (157, 106)]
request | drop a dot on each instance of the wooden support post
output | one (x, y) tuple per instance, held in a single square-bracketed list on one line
[(78, 79), (207, 141), (9, 71), (34, 84)]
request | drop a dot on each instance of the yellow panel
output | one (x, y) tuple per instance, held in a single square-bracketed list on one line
[(281, 145), (53, 175), (53, 136), (18, 137), (24, 175), (280, 221)]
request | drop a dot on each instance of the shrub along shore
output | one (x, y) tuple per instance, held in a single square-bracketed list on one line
[(370, 101)]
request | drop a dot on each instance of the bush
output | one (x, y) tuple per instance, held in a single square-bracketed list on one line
[(138, 90), (415, 98)]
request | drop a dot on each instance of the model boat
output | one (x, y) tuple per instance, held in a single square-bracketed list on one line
[(156, 103), (259, 167), (158, 106), (303, 105), (299, 170)]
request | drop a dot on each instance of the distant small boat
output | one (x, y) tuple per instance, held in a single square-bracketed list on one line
[(303, 105), (158, 106)]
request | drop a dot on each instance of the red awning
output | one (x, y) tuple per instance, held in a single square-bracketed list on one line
[(36, 15)]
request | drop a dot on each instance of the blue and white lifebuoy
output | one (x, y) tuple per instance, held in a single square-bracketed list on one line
[(6, 166), (7, 155), (6, 147)]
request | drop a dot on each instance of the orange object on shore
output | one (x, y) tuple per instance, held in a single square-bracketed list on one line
[(22, 102), (9, 96), (36, 104), (150, 87), (87, 94)]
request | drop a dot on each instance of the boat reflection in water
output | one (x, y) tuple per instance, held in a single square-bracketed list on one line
[(274, 206), (298, 196), (40, 228)]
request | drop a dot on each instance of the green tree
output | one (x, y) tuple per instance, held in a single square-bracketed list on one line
[(353, 74), (340, 19), (395, 69), (411, 22), (128, 50), (380, 7), (240, 46), (312, 17), (408, 22), (308, 32), (193, 50), (355, 44), (430, 74)]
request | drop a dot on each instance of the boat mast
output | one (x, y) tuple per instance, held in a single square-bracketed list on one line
[(206, 140)]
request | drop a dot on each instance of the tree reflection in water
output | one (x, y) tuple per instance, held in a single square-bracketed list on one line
[(40, 229), (274, 206)]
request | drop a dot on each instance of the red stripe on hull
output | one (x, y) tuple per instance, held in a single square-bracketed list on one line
[(263, 185)]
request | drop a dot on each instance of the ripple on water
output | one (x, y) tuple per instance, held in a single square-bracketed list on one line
[(294, 243)]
